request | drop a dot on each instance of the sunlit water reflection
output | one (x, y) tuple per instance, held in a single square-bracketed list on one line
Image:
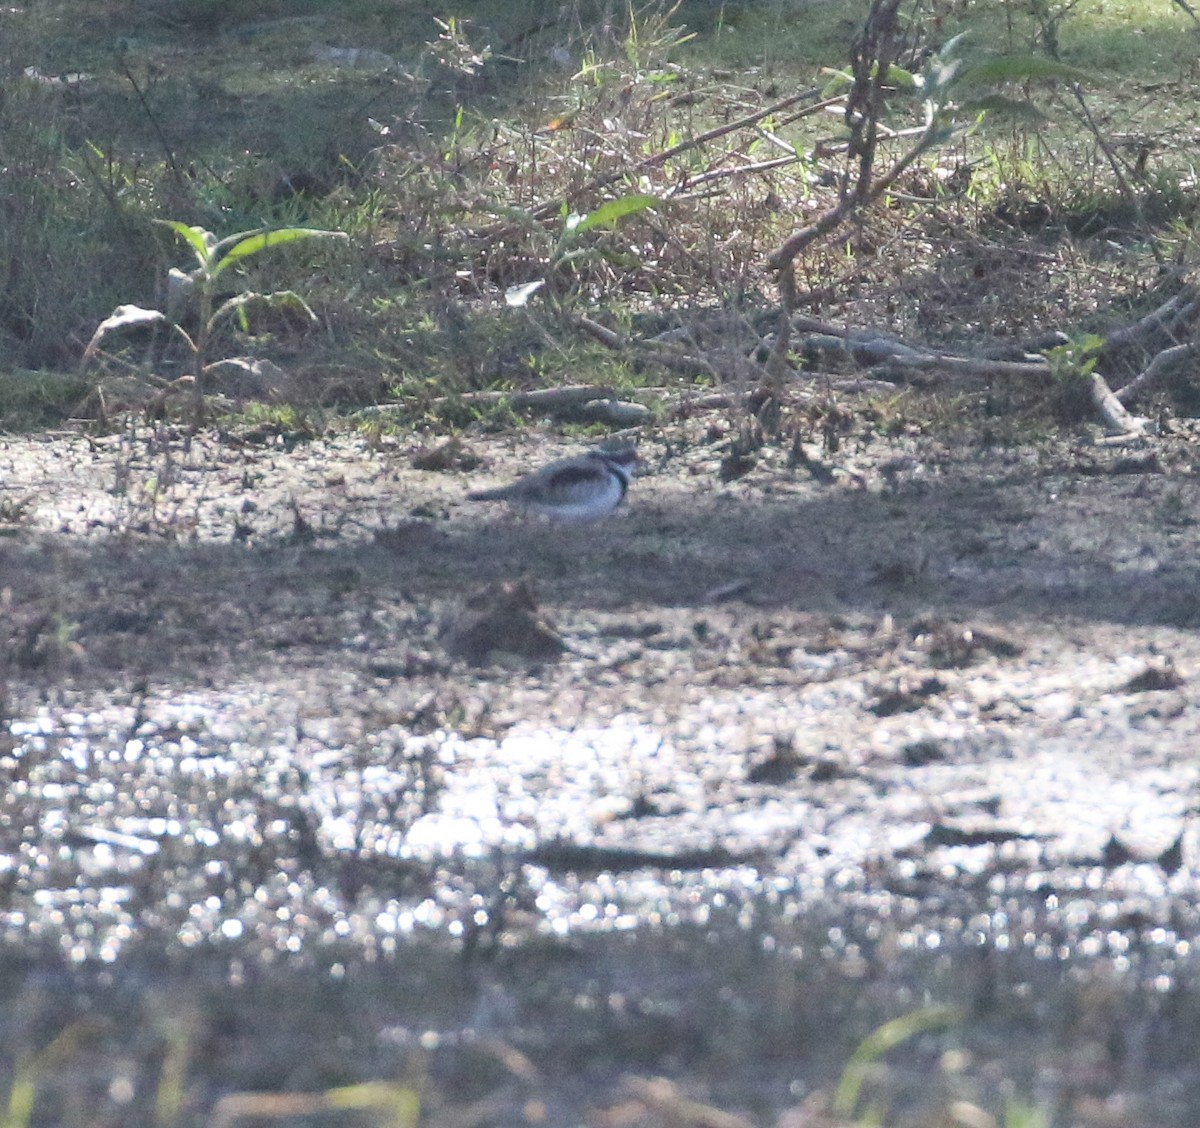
[(202, 821), (608, 898)]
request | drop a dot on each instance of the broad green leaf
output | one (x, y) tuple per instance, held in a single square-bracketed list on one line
[(1009, 110), (1019, 68), (838, 81), (202, 242), (280, 299), (611, 212), (905, 79), (263, 239), (235, 238)]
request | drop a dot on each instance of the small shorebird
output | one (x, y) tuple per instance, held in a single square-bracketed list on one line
[(582, 488)]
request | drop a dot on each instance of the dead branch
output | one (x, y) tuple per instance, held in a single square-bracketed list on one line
[(964, 365), (1168, 322), (885, 354), (871, 59), (691, 183), (590, 403), (783, 257), (544, 399), (1116, 418), (881, 356), (871, 339), (1031, 346), (1187, 8), (1163, 364), (607, 337)]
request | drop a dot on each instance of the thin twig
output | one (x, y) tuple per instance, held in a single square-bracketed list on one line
[(1110, 155), (168, 153), (693, 182), (552, 207)]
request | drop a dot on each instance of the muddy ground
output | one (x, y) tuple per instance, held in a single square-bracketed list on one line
[(907, 723)]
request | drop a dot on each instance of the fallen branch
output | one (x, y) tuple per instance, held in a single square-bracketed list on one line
[(881, 354), (1167, 320), (1017, 350), (589, 403), (544, 399), (1116, 418), (1156, 371), (606, 336), (965, 365), (724, 364)]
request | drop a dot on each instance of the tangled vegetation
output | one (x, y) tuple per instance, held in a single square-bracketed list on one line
[(1013, 180)]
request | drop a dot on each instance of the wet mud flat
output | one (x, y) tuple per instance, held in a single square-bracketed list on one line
[(821, 749)]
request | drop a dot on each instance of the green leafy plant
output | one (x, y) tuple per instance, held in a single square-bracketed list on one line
[(1071, 368), (957, 92), (454, 50), (195, 291), (569, 251)]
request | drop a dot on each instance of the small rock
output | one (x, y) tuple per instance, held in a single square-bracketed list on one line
[(922, 752), (905, 696), (1157, 675), (781, 766)]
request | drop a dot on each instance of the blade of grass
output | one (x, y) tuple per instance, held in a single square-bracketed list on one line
[(887, 1037)]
